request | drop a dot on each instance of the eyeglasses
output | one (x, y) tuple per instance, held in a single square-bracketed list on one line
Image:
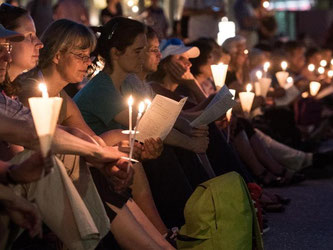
[(83, 58), (5, 48)]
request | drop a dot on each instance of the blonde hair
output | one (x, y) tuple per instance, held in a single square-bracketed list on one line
[(64, 35)]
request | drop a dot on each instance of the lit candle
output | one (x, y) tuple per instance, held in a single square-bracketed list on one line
[(130, 104), (246, 99), (330, 73), (140, 112), (259, 74), (228, 115), (323, 63), (305, 94), (266, 66), (229, 112), (284, 65), (311, 67), (265, 4), (321, 70), (42, 87), (290, 82), (148, 103), (219, 72), (246, 51), (314, 88), (45, 113)]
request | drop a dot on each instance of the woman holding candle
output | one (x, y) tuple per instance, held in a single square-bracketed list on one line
[(66, 60)]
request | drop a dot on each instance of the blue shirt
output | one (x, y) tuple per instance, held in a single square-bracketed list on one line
[(99, 102)]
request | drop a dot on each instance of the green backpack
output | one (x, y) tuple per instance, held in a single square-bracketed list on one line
[(220, 215)]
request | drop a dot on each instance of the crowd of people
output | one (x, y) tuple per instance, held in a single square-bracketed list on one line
[(85, 195)]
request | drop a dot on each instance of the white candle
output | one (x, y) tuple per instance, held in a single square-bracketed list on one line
[(311, 67), (42, 87), (219, 72), (284, 65), (228, 115), (141, 109), (246, 99), (314, 88), (130, 104)]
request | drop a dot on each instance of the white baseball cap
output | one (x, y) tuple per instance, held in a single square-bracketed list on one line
[(175, 46)]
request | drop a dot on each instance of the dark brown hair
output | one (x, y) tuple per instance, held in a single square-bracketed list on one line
[(119, 33)]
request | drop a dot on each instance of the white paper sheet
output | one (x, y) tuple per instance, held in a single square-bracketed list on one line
[(290, 96), (159, 118), (220, 104)]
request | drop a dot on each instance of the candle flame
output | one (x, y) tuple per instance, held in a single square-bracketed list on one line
[(332, 61), (311, 67), (248, 87), (246, 52), (265, 4), (305, 94), (42, 87), (266, 66), (330, 73), (323, 63), (130, 100), (284, 65), (259, 74), (290, 79), (141, 107), (321, 70)]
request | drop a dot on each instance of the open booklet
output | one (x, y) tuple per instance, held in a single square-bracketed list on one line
[(159, 118), (220, 104)]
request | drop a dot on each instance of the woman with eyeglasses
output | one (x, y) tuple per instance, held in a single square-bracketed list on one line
[(24, 53), (64, 59)]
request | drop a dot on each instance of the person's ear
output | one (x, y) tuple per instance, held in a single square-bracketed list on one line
[(115, 53), (56, 57)]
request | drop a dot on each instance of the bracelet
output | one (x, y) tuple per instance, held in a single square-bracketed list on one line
[(9, 178)]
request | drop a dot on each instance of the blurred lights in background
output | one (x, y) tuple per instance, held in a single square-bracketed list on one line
[(227, 29)]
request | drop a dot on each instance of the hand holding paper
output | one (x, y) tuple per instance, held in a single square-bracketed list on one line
[(216, 108)]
